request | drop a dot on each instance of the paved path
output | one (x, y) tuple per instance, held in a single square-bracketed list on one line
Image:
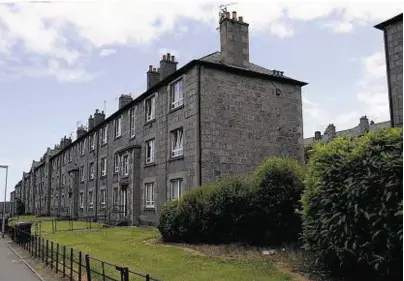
[(11, 267)]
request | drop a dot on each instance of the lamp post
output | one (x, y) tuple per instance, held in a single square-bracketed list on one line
[(4, 206)]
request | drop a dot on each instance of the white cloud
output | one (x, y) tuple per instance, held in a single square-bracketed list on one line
[(69, 31), (107, 52), (373, 87)]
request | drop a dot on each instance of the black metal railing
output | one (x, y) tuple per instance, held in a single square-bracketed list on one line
[(71, 263)]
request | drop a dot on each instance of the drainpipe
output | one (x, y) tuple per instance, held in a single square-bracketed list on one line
[(96, 175), (198, 124)]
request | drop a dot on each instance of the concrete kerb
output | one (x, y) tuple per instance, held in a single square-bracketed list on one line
[(26, 263)]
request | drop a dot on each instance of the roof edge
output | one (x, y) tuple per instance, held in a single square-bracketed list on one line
[(392, 20)]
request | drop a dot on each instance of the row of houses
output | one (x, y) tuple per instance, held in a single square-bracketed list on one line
[(216, 115)]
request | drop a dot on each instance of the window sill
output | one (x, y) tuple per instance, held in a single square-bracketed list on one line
[(176, 108), (118, 137), (150, 121), (103, 176), (104, 144), (153, 209), (81, 181), (132, 137), (175, 158), (150, 164), (125, 176)]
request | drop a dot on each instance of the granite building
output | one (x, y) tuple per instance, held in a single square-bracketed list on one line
[(393, 44), (216, 115)]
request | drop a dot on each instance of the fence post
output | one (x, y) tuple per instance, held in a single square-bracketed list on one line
[(47, 250), (64, 261), (51, 254), (125, 274), (43, 249), (80, 264), (40, 248), (71, 264), (57, 257), (88, 269), (147, 277)]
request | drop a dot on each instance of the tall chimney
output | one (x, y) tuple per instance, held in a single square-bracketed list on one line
[(90, 123), (234, 40), (99, 117), (364, 125), (168, 66), (81, 131), (317, 135), (124, 100), (153, 77)]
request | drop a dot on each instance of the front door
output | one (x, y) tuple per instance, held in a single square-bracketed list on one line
[(124, 202)]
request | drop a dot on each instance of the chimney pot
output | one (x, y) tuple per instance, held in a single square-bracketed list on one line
[(173, 58), (234, 15), (158, 69), (164, 57), (240, 19), (168, 56), (154, 69), (150, 67), (96, 111), (228, 15)]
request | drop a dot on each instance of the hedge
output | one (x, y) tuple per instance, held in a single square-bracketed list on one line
[(352, 203), (259, 209)]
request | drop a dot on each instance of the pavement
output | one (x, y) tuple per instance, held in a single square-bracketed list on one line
[(12, 268)]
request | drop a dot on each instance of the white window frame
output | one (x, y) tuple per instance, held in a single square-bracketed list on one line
[(92, 142), (177, 98), (117, 161), (91, 170), (150, 144), (115, 196), (125, 162), (104, 166), (83, 147), (62, 201), (105, 134), (150, 113), (91, 197), (103, 198), (118, 127), (81, 198), (149, 195), (132, 121), (177, 142), (176, 189), (83, 176)]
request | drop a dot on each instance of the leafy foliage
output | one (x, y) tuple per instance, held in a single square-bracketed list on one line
[(20, 206), (259, 209), (352, 204)]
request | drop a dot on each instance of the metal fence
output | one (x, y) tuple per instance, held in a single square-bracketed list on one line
[(71, 263)]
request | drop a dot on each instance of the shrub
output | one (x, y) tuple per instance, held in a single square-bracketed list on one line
[(277, 185), (257, 210), (352, 204)]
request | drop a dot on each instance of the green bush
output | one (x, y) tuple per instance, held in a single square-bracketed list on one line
[(352, 204), (277, 185), (259, 209)]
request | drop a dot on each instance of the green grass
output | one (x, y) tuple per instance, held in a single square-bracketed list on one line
[(46, 226), (136, 249)]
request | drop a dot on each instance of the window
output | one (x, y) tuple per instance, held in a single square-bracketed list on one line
[(118, 127), (104, 132), (90, 199), (115, 196), (91, 171), (150, 151), (126, 165), (177, 143), (70, 155), (132, 122), (149, 194), (81, 200), (150, 108), (92, 142), (83, 147), (176, 94), (82, 174), (116, 162), (103, 167), (62, 203), (103, 198), (63, 180), (64, 158), (175, 189)]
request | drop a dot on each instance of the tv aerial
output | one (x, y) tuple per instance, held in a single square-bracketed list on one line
[(223, 11)]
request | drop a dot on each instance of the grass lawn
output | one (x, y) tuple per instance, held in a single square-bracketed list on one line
[(45, 226), (137, 249)]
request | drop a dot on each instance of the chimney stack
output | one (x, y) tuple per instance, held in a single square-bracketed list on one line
[(317, 135), (90, 123), (234, 40), (67, 141), (81, 131), (330, 132), (364, 125), (124, 100), (153, 77), (99, 117), (168, 66)]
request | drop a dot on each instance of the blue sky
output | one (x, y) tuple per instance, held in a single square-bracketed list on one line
[(60, 61)]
